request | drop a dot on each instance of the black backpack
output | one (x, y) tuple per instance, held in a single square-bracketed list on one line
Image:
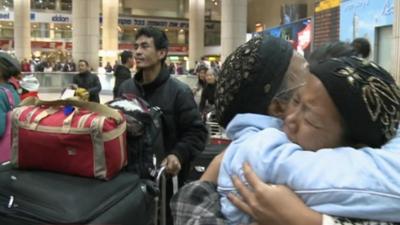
[(145, 144)]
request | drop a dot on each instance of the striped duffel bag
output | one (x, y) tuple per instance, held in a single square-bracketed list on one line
[(69, 136)]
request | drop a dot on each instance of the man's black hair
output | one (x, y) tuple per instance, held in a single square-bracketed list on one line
[(159, 37), (331, 50), (84, 61), (125, 56), (362, 47)]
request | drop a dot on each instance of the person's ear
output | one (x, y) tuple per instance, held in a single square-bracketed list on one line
[(277, 108), (162, 53)]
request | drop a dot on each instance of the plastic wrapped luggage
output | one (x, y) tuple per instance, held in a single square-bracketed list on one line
[(36, 197), (145, 144), (69, 136)]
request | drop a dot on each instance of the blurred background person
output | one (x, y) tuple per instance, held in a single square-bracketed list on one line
[(123, 72), (208, 94), (88, 81)]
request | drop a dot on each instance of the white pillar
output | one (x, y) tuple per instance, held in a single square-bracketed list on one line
[(86, 32), (233, 25), (52, 31), (196, 31), (110, 31), (22, 29), (396, 39)]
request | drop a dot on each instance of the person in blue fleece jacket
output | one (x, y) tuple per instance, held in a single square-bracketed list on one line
[(345, 101)]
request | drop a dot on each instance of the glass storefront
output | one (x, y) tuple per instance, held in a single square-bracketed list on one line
[(51, 29), (6, 30), (66, 5), (6, 4), (212, 34), (43, 4)]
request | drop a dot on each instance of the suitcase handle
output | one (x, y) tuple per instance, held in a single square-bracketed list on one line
[(92, 106)]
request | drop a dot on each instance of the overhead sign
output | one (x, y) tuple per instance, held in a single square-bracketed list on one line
[(39, 17), (163, 23), (327, 4)]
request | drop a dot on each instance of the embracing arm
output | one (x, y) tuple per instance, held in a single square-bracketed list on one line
[(278, 205), (212, 171)]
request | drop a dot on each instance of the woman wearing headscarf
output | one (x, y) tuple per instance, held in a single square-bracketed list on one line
[(344, 102), (263, 69)]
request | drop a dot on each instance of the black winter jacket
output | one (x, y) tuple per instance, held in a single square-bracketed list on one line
[(90, 82), (184, 132), (207, 96), (121, 74)]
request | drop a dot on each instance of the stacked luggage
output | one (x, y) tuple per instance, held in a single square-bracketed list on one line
[(68, 167), (39, 197)]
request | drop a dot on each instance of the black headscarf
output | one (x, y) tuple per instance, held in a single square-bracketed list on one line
[(251, 76), (365, 95)]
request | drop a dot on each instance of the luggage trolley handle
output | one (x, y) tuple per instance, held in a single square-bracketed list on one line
[(161, 181)]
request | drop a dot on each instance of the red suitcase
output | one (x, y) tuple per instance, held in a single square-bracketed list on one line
[(90, 141)]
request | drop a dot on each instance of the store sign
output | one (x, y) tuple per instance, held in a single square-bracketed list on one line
[(5, 16), (46, 44), (134, 21), (175, 49), (125, 46), (327, 4), (60, 18), (52, 18)]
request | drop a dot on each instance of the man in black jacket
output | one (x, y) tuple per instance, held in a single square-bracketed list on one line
[(184, 132), (122, 72), (85, 79)]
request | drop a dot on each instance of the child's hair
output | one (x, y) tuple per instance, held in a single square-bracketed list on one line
[(9, 66), (331, 50), (365, 95), (362, 47)]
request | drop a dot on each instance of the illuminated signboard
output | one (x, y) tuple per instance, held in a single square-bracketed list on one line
[(298, 33), (327, 4)]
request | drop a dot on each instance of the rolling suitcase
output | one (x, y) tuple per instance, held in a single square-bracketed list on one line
[(36, 197)]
